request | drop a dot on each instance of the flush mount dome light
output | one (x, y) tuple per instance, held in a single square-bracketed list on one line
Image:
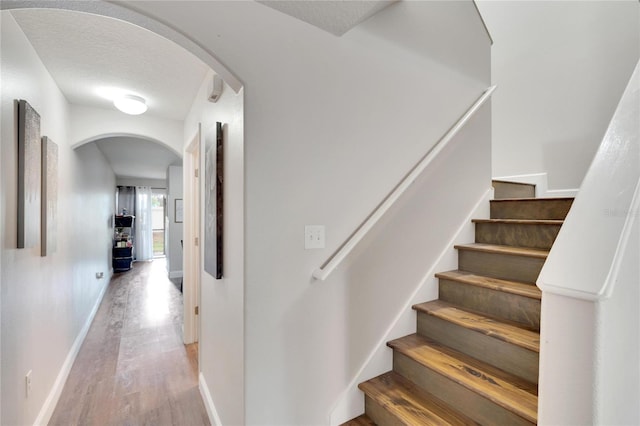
[(131, 104)]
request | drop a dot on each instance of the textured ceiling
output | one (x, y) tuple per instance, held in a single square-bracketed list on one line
[(137, 158), (91, 58), (334, 16), (94, 58)]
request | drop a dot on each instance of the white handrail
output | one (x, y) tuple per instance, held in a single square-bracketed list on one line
[(325, 270), (604, 206)]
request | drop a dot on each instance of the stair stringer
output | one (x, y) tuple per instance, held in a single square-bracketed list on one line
[(350, 403)]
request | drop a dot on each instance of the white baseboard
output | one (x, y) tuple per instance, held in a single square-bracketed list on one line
[(54, 395), (175, 274), (350, 403), (540, 180), (214, 418)]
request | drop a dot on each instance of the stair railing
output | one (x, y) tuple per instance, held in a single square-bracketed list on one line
[(343, 251)]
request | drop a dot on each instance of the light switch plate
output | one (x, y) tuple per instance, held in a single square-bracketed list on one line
[(314, 237)]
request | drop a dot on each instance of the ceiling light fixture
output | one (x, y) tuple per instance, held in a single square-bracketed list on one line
[(131, 104)]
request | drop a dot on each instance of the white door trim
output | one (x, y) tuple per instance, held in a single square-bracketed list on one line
[(191, 252)]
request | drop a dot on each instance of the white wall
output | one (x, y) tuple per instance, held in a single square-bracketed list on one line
[(331, 125), (88, 124), (560, 67), (222, 305), (46, 301), (380, 286), (174, 231)]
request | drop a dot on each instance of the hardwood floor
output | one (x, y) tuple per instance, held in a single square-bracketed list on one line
[(133, 368)]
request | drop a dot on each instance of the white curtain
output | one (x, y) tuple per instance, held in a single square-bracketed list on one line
[(144, 229)]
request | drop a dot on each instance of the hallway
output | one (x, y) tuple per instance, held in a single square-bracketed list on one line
[(133, 368)]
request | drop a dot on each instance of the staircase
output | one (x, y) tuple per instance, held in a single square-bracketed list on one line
[(474, 358)]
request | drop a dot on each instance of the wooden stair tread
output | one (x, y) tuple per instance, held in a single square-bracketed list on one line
[(504, 389), (482, 324), (554, 222), (362, 420), (409, 403), (506, 286), (508, 250), (530, 208)]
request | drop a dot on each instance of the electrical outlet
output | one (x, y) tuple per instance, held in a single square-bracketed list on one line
[(314, 237), (27, 384), (99, 275)]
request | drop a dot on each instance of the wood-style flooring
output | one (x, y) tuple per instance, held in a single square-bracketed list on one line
[(133, 368)]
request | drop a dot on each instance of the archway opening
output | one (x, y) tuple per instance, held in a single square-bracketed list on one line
[(77, 125)]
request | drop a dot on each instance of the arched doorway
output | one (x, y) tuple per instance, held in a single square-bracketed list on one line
[(86, 130)]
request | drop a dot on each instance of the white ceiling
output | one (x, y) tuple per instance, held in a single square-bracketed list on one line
[(137, 158), (334, 16), (92, 58)]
